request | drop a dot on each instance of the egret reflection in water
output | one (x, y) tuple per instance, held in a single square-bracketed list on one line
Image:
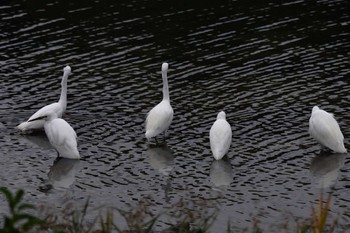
[(265, 63), (39, 139), (62, 173), (325, 168), (221, 173), (160, 158)]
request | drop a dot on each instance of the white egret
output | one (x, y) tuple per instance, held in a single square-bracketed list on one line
[(220, 136), (160, 117), (60, 134), (325, 129), (58, 107)]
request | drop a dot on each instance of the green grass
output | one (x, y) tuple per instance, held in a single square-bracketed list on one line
[(139, 219), (18, 219)]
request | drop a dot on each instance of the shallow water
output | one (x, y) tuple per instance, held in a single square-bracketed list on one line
[(265, 64)]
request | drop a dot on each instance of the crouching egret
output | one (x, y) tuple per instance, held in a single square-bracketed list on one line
[(220, 136), (60, 134), (58, 107), (160, 117), (325, 129)]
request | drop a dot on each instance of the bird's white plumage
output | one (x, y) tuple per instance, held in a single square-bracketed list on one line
[(61, 135), (160, 117), (58, 108), (220, 136), (325, 129)]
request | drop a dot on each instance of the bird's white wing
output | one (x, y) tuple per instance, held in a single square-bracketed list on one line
[(61, 135), (159, 118), (54, 107), (325, 129), (220, 137)]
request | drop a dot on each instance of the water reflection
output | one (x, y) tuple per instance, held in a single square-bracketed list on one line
[(62, 173), (265, 61), (221, 173), (160, 158), (39, 139), (325, 168)]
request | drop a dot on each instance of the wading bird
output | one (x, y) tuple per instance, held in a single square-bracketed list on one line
[(220, 136), (160, 117), (60, 134), (325, 129), (58, 107)]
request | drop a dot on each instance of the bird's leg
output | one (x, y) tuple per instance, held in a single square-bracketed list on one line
[(167, 188), (57, 158), (164, 135)]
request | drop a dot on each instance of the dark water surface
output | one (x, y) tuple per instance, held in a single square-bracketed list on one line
[(266, 63)]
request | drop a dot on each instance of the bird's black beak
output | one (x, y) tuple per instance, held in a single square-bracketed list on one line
[(38, 118)]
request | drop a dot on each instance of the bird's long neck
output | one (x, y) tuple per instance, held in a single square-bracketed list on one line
[(63, 97), (165, 86)]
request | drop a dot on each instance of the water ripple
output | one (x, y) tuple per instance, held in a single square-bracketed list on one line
[(266, 64)]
